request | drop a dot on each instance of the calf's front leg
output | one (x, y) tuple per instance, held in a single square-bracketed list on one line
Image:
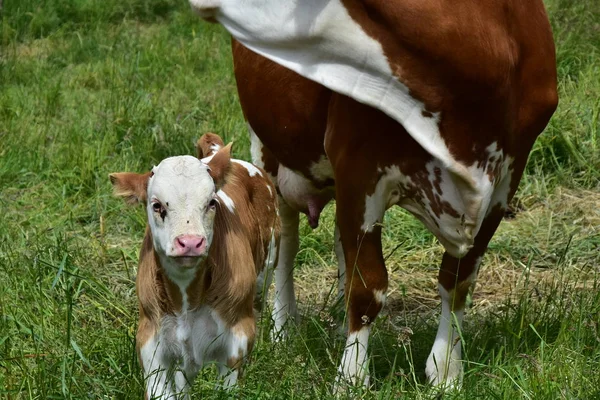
[(239, 343), (163, 380)]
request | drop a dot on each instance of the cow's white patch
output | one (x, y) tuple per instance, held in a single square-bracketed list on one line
[(324, 43), (444, 365), (380, 296), (285, 297), (207, 159), (255, 148), (229, 376), (270, 191), (252, 170), (354, 366), (321, 170), (385, 195), (226, 200)]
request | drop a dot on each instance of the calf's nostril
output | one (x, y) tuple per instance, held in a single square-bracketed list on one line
[(200, 243)]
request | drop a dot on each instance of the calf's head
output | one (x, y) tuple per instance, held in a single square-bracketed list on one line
[(181, 202)]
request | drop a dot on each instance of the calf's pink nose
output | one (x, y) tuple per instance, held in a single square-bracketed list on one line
[(190, 245)]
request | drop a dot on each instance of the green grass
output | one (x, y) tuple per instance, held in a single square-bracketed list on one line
[(90, 87)]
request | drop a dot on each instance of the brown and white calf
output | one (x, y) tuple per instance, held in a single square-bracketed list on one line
[(212, 226), (432, 105)]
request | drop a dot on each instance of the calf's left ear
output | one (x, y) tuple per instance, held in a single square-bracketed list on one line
[(131, 186), (219, 166)]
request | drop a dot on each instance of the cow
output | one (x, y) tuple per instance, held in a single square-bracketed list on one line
[(212, 226), (431, 105)]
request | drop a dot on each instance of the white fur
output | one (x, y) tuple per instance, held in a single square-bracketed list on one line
[(382, 198), (321, 41), (157, 370), (226, 200), (380, 296), (214, 148), (444, 364), (184, 188), (255, 148), (195, 338), (252, 170), (285, 297), (237, 346), (354, 366)]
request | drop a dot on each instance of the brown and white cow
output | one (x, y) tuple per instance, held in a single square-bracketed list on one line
[(211, 226), (432, 105)]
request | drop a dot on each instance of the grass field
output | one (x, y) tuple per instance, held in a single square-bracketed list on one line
[(90, 87)]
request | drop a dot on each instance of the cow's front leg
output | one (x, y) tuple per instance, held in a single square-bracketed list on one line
[(444, 365), (366, 277)]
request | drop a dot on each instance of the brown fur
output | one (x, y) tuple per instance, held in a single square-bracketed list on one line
[(204, 144), (489, 69)]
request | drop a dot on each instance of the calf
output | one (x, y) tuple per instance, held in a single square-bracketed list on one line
[(211, 226)]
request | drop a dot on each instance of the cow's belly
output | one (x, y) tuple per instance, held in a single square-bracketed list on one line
[(302, 195)]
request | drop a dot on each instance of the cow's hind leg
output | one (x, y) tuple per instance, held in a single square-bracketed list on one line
[(444, 365), (339, 306), (366, 284), (285, 297), (360, 204)]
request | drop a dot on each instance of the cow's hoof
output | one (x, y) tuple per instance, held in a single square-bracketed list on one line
[(444, 373)]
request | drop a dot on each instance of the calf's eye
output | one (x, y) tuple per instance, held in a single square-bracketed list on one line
[(213, 203), (158, 208)]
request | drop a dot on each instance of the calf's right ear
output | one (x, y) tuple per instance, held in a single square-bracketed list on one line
[(131, 186)]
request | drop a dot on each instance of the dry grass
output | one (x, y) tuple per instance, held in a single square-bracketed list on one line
[(542, 233)]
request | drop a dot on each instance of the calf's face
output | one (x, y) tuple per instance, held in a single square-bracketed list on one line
[(181, 209), (180, 197)]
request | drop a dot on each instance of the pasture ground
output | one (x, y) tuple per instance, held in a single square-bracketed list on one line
[(91, 87)]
